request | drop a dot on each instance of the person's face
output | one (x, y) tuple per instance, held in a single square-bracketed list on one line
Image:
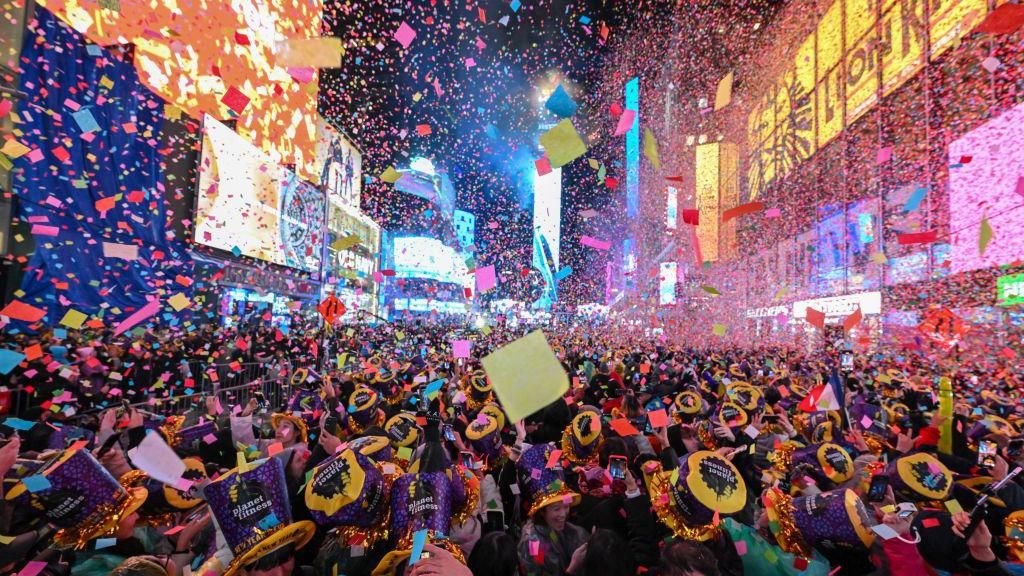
[(285, 433), (555, 516)]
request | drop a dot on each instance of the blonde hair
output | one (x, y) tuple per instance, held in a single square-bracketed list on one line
[(139, 566)]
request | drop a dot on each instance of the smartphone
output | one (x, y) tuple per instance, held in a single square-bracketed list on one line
[(448, 434), (466, 459), (878, 488), (987, 453), (847, 361), (495, 521), (617, 467)]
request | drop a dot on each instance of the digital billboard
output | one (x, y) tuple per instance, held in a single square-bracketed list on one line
[(985, 184), (632, 102), (861, 50), (249, 205), (218, 58), (547, 211), (338, 165), (429, 258), (708, 199), (671, 208), (667, 283)]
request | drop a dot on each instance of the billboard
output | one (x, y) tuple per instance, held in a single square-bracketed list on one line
[(338, 165), (985, 186), (632, 102), (667, 276), (861, 50), (428, 258), (218, 58), (672, 208), (249, 205), (707, 199)]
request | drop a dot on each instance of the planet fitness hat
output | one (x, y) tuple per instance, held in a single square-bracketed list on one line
[(543, 485), (920, 477), (165, 500), (81, 498), (825, 462), (363, 410), (688, 498), (351, 492), (254, 514), (801, 523), (582, 440), (484, 435)]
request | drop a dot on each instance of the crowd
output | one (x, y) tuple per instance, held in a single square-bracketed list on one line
[(387, 455)]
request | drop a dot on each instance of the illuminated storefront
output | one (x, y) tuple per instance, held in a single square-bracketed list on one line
[(352, 269)]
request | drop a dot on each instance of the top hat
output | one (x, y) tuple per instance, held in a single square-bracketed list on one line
[(688, 499), (800, 523), (80, 497), (582, 440), (253, 512), (350, 492), (543, 485)]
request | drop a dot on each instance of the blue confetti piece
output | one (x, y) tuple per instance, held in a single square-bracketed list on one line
[(19, 424), (419, 540), (563, 273), (584, 20), (269, 522), (560, 103), (102, 543), (914, 202), (36, 483), (94, 50), (9, 359), (86, 121), (433, 388), (515, 5)]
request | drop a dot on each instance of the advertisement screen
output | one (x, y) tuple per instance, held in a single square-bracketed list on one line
[(338, 164), (667, 283), (225, 58), (985, 185), (250, 206), (672, 208), (429, 258)]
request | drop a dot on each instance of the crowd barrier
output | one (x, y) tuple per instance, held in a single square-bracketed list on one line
[(232, 382)]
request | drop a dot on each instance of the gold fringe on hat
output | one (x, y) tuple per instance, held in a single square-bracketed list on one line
[(779, 507), (659, 484)]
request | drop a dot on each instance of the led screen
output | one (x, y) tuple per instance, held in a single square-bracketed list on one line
[(338, 165), (429, 258), (667, 283), (984, 183), (248, 205), (221, 58), (672, 208), (632, 100), (547, 212)]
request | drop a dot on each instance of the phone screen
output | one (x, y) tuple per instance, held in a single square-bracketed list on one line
[(879, 483), (986, 454), (495, 521), (617, 467), (466, 459), (448, 435)]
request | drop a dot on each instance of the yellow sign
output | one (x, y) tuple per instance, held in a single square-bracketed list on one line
[(707, 200), (860, 51)]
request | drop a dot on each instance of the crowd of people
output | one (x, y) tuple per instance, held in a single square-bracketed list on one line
[(384, 454)]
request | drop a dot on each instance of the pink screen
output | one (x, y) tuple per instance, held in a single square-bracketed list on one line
[(987, 185)]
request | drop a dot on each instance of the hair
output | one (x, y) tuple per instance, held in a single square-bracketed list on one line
[(138, 566), (612, 445), (608, 553), (494, 555), (772, 396), (685, 558)]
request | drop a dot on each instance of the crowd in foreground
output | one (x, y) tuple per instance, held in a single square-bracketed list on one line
[(387, 455)]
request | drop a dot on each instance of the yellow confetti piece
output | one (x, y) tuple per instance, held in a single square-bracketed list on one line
[(14, 149), (73, 319), (179, 302)]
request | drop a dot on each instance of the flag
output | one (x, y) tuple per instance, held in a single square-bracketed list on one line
[(815, 317), (822, 397)]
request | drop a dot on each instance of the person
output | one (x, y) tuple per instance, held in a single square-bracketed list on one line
[(494, 555)]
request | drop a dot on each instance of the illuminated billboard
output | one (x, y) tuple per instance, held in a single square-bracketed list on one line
[(632, 102), (706, 180), (860, 51), (426, 181), (547, 229), (218, 58), (672, 208), (987, 188), (249, 205), (338, 165), (667, 283), (429, 258)]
